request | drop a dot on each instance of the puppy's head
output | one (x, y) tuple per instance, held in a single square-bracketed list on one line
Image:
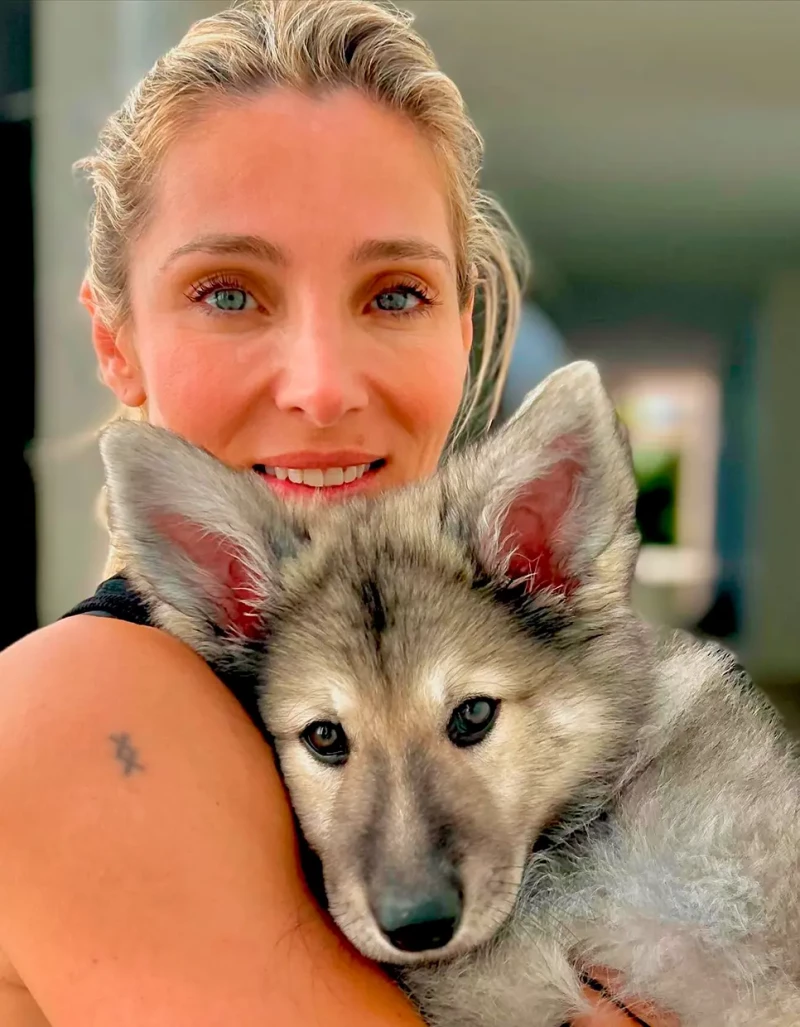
[(443, 669)]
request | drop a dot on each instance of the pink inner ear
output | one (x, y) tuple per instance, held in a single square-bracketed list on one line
[(236, 590), (530, 534)]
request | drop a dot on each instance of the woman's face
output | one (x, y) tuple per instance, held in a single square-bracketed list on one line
[(293, 296)]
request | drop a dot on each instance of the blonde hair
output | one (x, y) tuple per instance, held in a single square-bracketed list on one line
[(313, 46)]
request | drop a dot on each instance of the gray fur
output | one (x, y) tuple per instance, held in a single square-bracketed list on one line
[(662, 790)]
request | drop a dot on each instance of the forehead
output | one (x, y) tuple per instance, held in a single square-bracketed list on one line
[(313, 174)]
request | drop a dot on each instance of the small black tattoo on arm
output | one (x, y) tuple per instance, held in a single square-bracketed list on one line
[(125, 753)]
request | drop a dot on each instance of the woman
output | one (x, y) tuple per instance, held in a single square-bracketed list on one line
[(285, 246)]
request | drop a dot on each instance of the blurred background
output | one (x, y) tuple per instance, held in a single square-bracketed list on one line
[(649, 151)]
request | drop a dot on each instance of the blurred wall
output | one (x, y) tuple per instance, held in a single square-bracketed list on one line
[(772, 637), (87, 55)]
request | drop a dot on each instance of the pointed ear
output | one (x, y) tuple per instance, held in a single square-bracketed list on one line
[(550, 500), (201, 542)]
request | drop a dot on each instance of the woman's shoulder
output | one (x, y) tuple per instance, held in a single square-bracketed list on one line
[(150, 866), (122, 707), (88, 667)]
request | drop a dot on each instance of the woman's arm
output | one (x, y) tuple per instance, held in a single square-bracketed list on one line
[(149, 872)]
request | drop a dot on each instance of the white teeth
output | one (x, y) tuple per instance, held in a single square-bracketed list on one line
[(318, 478), (314, 477)]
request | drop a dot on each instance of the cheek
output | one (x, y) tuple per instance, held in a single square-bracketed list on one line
[(427, 383), (194, 388)]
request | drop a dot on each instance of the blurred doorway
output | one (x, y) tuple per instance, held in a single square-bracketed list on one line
[(673, 418)]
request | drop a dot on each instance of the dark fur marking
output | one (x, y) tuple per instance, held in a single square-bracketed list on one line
[(443, 511), (285, 545), (374, 609), (541, 622)]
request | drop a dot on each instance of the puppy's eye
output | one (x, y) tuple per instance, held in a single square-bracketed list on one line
[(327, 741), (472, 720)]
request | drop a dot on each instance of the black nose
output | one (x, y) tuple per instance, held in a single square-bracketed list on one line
[(416, 923)]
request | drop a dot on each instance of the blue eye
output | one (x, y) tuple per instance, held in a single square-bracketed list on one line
[(401, 299), (230, 299)]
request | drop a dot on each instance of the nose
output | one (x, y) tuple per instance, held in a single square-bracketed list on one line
[(319, 376), (420, 922)]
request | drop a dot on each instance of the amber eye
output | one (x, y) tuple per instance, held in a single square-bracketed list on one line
[(327, 741), (472, 720)]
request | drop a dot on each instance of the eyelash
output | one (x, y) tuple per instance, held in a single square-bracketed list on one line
[(413, 288), (214, 283), (206, 286)]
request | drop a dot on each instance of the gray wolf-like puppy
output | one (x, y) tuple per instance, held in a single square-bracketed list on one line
[(506, 775)]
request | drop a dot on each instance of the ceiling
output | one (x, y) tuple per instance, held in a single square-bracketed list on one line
[(636, 139)]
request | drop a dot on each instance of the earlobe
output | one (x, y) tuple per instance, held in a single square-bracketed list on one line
[(116, 356)]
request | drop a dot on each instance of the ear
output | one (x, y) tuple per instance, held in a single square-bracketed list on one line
[(116, 357), (550, 500), (202, 543)]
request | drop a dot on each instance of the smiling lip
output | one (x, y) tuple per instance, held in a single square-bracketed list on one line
[(305, 459), (300, 491)]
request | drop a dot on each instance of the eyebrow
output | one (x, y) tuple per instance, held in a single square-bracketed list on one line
[(255, 246), (397, 249), (225, 245)]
